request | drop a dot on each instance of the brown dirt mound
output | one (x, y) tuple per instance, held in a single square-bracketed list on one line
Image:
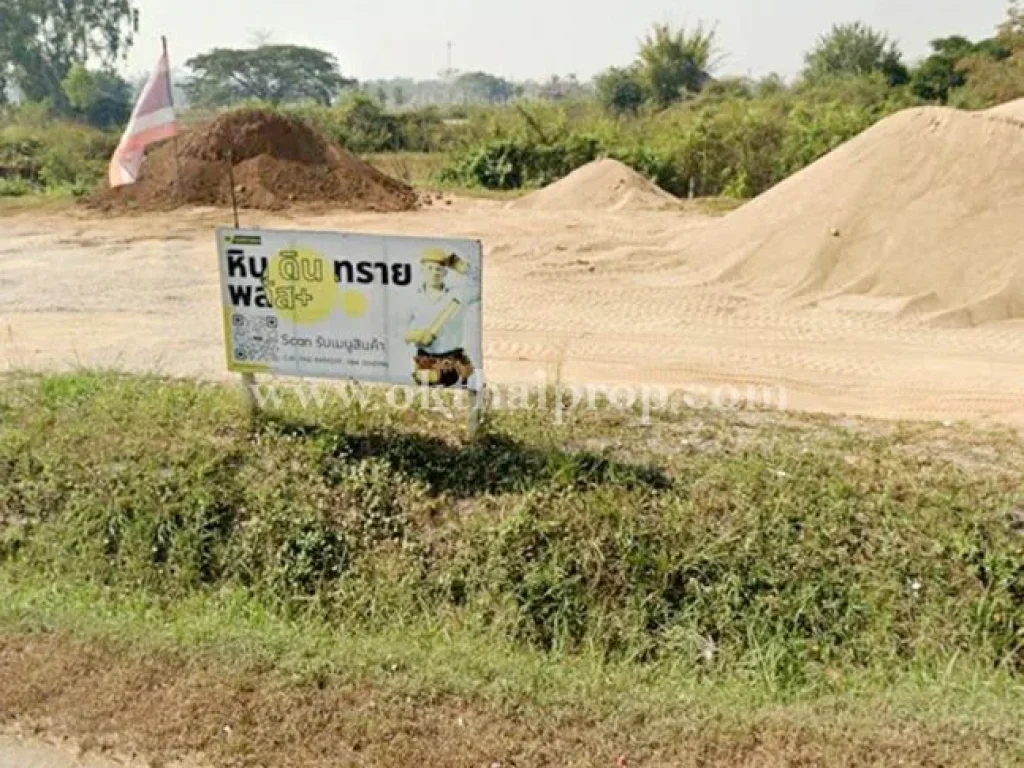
[(276, 160), (603, 185), (927, 205)]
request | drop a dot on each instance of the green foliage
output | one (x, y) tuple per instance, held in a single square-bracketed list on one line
[(80, 87), (361, 124), (676, 62), (946, 69), (481, 86), (790, 552), (994, 69), (41, 40), (15, 186), (40, 154), (622, 90), (854, 50), (102, 99), (726, 141), (514, 164), (275, 74), (990, 81)]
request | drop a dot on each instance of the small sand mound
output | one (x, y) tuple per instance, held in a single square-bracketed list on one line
[(275, 160), (603, 185), (927, 204)]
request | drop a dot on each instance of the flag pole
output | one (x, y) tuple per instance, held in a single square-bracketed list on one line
[(170, 100)]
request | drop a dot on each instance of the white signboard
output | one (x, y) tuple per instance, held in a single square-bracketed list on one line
[(342, 305)]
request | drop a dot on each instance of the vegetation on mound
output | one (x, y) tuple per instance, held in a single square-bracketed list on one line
[(39, 154), (784, 554)]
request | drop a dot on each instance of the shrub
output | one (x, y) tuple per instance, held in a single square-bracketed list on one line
[(51, 155), (15, 187), (723, 142), (362, 125), (517, 163)]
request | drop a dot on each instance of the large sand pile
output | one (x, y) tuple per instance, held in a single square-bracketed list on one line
[(922, 214), (1014, 110), (603, 185), (275, 161)]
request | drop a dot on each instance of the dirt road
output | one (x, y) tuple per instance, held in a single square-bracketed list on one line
[(600, 297)]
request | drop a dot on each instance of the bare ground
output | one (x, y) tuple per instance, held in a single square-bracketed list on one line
[(573, 296)]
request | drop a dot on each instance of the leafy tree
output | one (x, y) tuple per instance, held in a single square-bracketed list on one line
[(80, 87), (946, 68), (481, 86), (1011, 31), (102, 99), (622, 90), (41, 40), (677, 62), (365, 126), (272, 73), (939, 73), (855, 49), (994, 71), (990, 81)]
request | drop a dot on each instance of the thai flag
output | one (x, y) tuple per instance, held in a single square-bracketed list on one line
[(152, 120)]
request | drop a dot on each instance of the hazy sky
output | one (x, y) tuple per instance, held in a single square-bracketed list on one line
[(534, 38)]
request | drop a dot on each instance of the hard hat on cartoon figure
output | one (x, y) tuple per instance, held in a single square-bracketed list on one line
[(436, 323)]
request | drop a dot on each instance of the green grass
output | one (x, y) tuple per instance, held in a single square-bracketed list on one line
[(37, 201), (714, 561), (237, 632)]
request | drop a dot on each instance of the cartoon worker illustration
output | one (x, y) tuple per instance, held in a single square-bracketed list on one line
[(437, 319)]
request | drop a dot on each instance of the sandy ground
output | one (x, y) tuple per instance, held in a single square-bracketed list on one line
[(18, 750), (16, 753), (588, 297), (19, 753)]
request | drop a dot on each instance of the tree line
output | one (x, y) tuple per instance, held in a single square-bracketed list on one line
[(669, 113), (676, 65), (46, 47)]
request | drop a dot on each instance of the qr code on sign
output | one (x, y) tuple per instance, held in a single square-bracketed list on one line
[(255, 338)]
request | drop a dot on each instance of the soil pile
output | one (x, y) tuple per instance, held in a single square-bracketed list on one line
[(922, 214), (275, 160), (603, 185)]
